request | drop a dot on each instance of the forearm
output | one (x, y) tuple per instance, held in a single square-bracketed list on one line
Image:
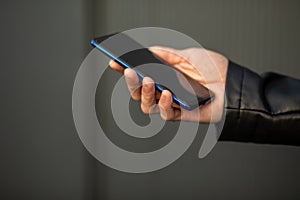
[(261, 109)]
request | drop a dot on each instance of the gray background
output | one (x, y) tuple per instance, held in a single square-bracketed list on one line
[(42, 46)]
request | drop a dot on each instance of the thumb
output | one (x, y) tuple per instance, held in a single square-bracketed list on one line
[(169, 55)]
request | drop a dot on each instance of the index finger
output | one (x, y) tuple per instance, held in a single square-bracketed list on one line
[(167, 54), (113, 64)]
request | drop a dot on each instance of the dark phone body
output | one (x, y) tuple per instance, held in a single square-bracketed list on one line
[(186, 92)]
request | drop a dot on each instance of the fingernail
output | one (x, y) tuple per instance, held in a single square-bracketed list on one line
[(126, 72), (110, 62), (164, 94), (147, 80)]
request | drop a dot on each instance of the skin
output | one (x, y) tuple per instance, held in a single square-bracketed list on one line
[(207, 67)]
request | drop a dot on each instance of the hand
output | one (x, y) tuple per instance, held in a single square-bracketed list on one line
[(207, 67)]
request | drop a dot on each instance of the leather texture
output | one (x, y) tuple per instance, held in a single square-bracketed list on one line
[(261, 108)]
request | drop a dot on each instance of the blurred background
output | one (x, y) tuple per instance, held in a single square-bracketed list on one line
[(42, 46)]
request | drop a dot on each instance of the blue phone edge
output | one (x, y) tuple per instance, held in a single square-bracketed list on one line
[(157, 87)]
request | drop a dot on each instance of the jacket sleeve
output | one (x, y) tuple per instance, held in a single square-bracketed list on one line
[(261, 108)]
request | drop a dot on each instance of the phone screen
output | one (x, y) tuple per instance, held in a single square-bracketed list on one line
[(186, 92)]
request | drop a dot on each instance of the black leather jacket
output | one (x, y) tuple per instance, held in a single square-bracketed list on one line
[(261, 109)]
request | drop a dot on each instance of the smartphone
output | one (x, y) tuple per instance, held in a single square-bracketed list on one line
[(186, 92)]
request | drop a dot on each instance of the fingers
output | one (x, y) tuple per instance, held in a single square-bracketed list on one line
[(133, 84), (148, 97), (167, 112), (169, 55), (147, 93), (113, 64)]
